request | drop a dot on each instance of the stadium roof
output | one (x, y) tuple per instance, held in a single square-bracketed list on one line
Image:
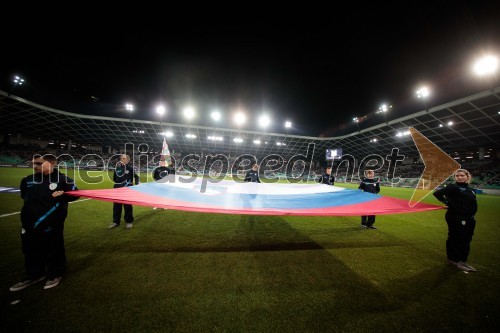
[(476, 123)]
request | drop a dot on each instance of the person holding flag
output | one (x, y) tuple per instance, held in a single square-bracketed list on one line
[(123, 176), (163, 170), (166, 166)]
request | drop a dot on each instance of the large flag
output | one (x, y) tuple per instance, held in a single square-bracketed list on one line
[(231, 197), (165, 153)]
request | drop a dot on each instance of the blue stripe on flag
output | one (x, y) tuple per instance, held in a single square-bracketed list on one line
[(243, 200)]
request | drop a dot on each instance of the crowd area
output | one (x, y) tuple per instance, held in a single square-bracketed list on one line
[(485, 172)]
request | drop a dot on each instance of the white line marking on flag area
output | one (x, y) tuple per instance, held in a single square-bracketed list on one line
[(5, 215)]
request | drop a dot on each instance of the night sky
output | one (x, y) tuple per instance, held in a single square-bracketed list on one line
[(317, 68)]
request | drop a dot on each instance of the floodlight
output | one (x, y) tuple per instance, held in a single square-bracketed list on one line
[(423, 92), (189, 112), (160, 109), (215, 115), (264, 120), (486, 65), (239, 118)]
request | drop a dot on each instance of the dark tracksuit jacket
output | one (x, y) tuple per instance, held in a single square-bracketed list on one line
[(371, 186), (162, 172), (42, 218), (123, 176), (327, 179), (460, 217), (252, 176)]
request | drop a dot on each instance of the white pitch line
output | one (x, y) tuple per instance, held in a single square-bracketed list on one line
[(5, 215), (77, 201)]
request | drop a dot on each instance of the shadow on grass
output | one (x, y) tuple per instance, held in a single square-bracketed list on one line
[(245, 274)]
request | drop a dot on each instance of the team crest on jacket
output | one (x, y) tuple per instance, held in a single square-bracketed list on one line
[(52, 186)]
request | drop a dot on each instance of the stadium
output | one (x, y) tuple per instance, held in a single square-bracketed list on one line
[(188, 271), (466, 129)]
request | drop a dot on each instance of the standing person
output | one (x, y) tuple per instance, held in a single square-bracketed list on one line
[(252, 175), (42, 217), (462, 206), (327, 177), (171, 168), (369, 184), (163, 171), (123, 176)]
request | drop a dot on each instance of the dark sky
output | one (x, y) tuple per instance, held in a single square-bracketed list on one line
[(317, 68)]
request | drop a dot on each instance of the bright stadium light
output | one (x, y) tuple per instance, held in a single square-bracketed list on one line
[(356, 120), (18, 81), (288, 125), (189, 112), (239, 118), (486, 65), (384, 108), (264, 120), (160, 110), (130, 108), (423, 92), (215, 115)]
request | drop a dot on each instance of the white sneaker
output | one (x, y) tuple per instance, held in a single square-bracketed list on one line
[(25, 284), (52, 283), (462, 267), (129, 225), (112, 225), (471, 268)]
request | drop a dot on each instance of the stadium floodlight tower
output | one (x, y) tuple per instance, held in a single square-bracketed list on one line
[(264, 121), (130, 108), (160, 110), (356, 121), (424, 93), (189, 113), (487, 66), (288, 125), (239, 118), (17, 81), (216, 116), (384, 108)]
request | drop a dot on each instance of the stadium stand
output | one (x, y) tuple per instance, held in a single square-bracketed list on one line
[(473, 139)]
